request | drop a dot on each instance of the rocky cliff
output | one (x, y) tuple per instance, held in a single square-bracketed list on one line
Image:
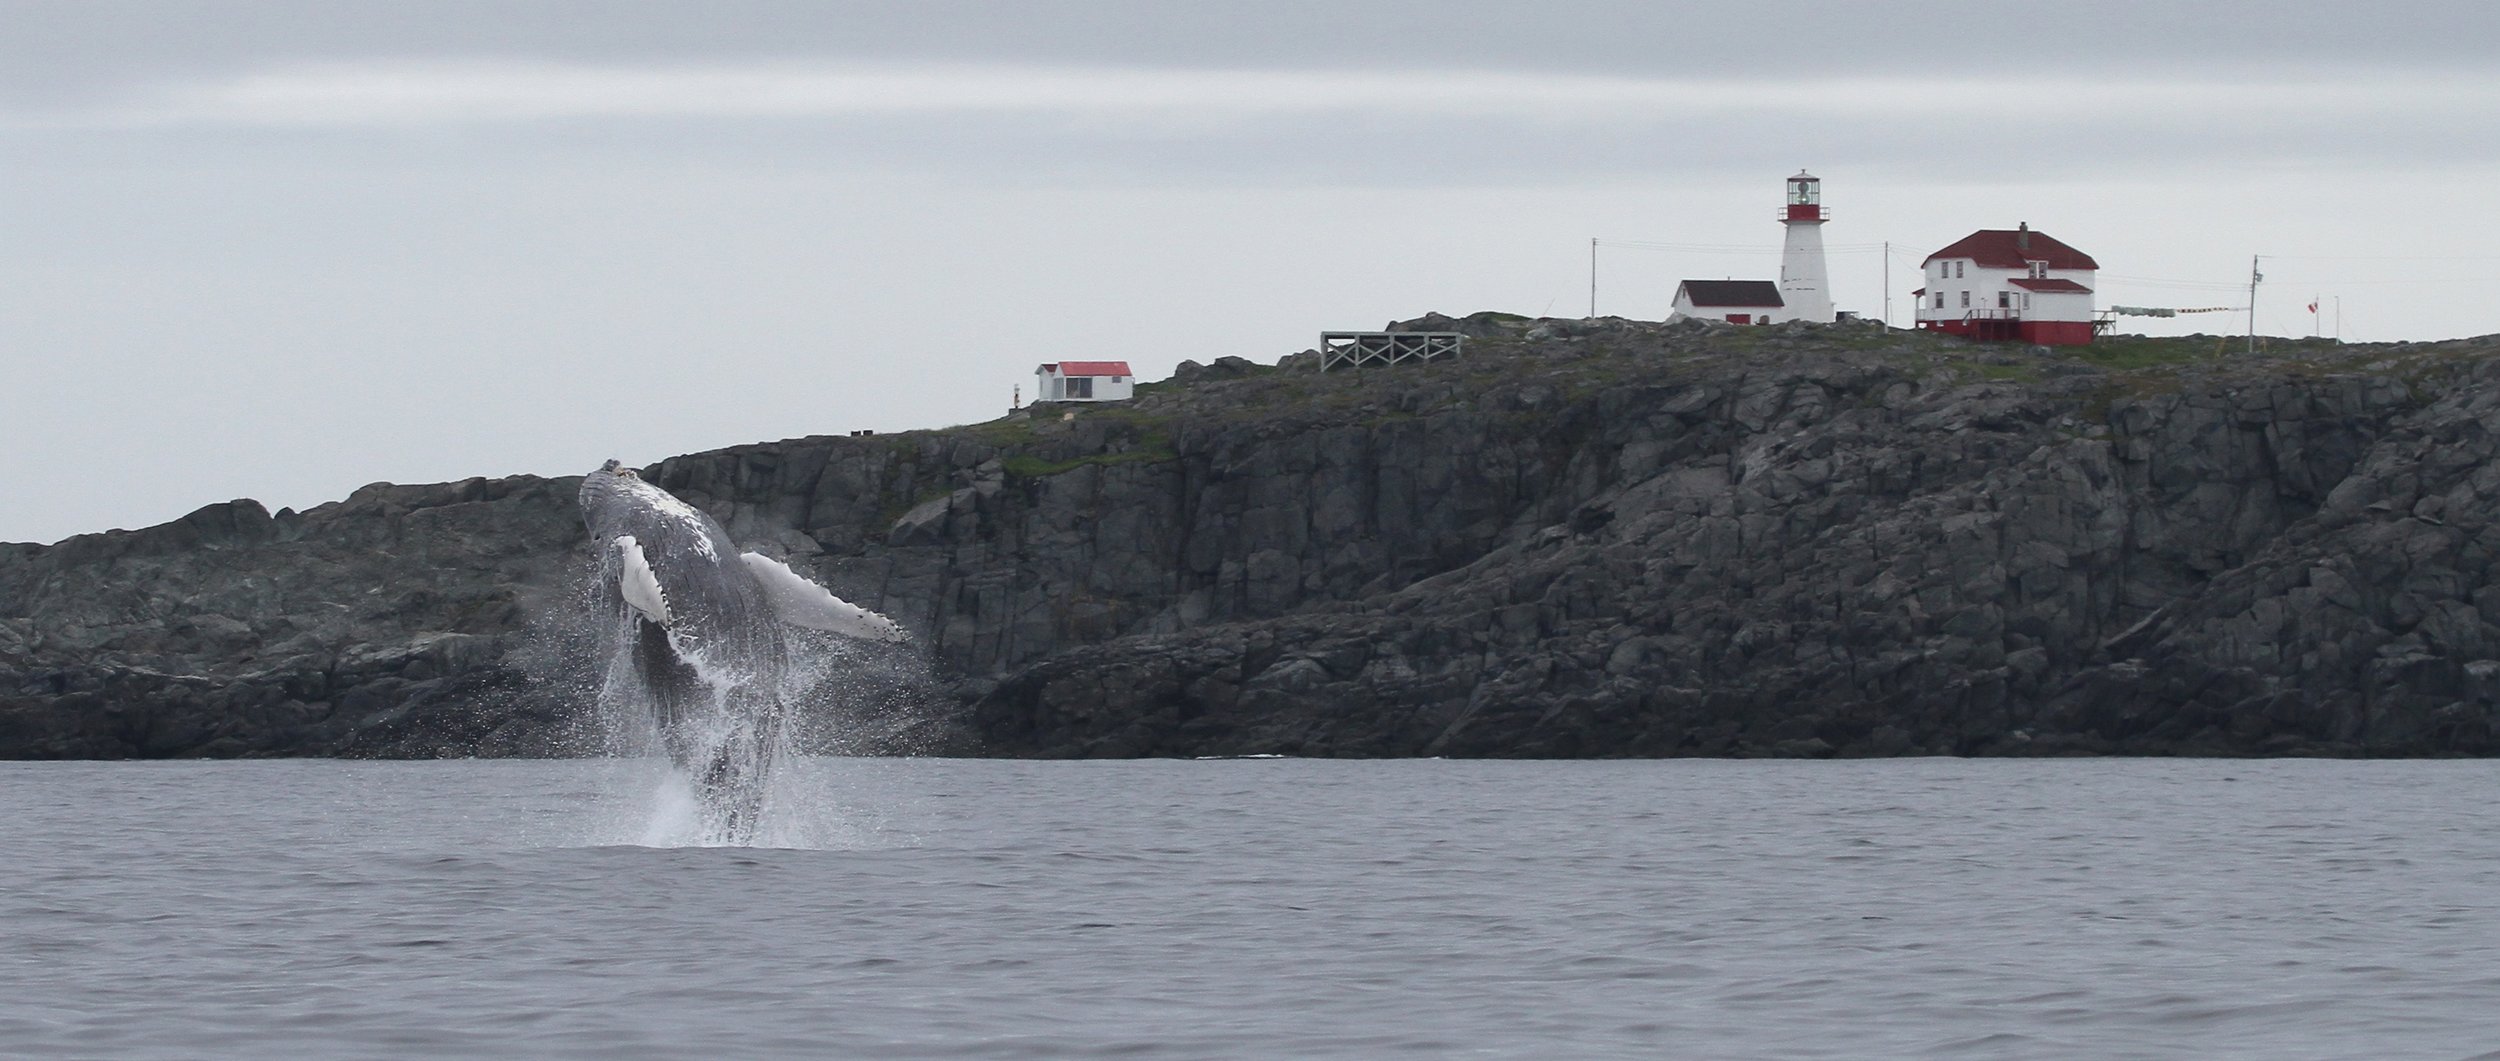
[(1580, 539)]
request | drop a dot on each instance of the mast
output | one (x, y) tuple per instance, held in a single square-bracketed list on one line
[(2253, 277)]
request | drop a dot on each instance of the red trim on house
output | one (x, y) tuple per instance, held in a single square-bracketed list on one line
[(2007, 329), (2057, 333)]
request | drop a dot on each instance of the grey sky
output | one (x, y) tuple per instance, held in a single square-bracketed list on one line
[(282, 249)]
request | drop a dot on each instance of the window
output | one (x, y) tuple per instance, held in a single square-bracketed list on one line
[(2005, 300), (1080, 386), (2039, 270), (1965, 300), (1939, 300), (1957, 270)]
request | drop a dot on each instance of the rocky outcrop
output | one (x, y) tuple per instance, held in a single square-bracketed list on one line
[(235, 632), (1584, 538)]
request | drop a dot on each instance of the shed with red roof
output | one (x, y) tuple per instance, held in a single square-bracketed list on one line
[(1734, 301), (2009, 284), (1084, 381)]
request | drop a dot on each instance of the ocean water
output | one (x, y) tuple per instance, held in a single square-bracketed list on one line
[(1259, 908)]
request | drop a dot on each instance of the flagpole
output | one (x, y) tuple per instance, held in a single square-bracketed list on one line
[(1592, 278)]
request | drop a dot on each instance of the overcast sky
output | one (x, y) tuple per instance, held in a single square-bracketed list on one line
[(280, 250)]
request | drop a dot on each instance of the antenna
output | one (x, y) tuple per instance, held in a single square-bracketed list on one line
[(2254, 277), (1592, 278)]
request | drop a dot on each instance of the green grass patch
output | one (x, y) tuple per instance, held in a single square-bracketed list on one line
[(1002, 432), (2019, 373), (1027, 466), (2133, 353)]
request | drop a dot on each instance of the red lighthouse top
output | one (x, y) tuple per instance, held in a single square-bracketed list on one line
[(1805, 198)]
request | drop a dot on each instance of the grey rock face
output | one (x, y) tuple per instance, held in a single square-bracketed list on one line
[(1584, 538)]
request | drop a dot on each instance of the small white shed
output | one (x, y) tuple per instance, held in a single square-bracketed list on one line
[(1084, 381)]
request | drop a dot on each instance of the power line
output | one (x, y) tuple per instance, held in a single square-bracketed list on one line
[(2386, 257), (1735, 248), (2157, 281)]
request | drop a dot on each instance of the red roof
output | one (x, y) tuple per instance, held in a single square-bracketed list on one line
[(1089, 368), (2028, 284), (2005, 248)]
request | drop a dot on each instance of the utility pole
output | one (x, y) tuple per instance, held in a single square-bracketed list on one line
[(2253, 277), (1592, 278), (1888, 283)]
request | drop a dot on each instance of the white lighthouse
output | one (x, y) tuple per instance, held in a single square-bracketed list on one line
[(1805, 285)]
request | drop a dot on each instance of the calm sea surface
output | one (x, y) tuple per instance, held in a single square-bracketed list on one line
[(1272, 908)]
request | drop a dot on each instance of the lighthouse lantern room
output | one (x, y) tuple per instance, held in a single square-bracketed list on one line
[(1805, 198)]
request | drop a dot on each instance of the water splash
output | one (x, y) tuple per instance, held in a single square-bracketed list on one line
[(720, 728), (739, 756), (819, 803)]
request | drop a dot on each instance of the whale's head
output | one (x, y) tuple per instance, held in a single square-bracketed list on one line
[(599, 488), (618, 500)]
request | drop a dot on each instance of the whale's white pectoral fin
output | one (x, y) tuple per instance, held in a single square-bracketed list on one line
[(637, 582), (800, 602)]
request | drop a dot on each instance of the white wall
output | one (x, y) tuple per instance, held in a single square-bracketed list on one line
[(1684, 307), (1983, 284), (2061, 306), (1052, 387), (1805, 284)]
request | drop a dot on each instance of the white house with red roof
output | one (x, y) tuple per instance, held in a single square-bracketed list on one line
[(2009, 284), (1084, 381)]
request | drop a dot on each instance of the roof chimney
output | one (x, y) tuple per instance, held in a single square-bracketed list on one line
[(2022, 237)]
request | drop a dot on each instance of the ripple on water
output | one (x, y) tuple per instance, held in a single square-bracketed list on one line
[(1257, 909)]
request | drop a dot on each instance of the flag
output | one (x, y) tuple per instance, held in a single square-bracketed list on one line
[(2313, 307)]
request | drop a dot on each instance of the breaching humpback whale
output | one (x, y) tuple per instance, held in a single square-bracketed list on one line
[(697, 634)]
